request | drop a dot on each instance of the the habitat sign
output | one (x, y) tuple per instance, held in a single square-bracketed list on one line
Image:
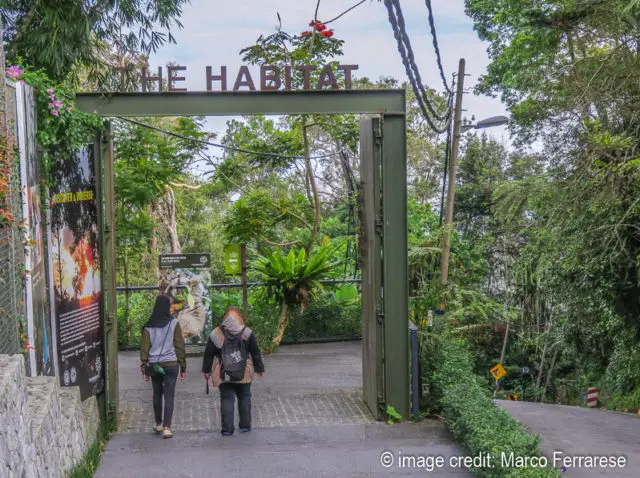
[(270, 78)]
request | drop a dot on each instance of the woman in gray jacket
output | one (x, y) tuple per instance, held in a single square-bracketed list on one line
[(162, 357)]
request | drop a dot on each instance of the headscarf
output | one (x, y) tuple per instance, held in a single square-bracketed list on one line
[(232, 323), (161, 314)]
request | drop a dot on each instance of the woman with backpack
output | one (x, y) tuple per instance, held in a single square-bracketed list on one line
[(230, 359), (162, 357)]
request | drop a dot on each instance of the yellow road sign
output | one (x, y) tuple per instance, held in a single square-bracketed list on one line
[(498, 372), (512, 396)]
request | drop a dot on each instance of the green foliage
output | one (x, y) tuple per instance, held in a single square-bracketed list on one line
[(130, 322), (325, 317), (61, 128), (629, 402), (393, 415), (88, 466), (292, 277), (61, 36), (465, 403)]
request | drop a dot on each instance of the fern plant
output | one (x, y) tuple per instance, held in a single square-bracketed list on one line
[(292, 278)]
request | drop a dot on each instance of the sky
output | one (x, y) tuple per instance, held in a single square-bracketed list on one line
[(214, 32)]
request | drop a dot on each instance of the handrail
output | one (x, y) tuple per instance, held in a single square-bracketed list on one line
[(136, 288)]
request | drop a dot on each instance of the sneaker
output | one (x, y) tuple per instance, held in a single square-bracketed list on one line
[(227, 433), (157, 429), (166, 433), (245, 430)]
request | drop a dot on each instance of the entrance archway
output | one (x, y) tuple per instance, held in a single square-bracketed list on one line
[(385, 348)]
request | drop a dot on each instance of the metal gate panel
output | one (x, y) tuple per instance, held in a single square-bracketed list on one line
[(395, 282), (370, 237), (106, 218)]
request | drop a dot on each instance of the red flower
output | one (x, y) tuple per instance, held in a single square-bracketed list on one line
[(306, 33), (327, 33), (321, 27), (312, 23)]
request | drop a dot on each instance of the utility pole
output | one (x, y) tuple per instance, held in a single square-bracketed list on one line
[(245, 301), (446, 246)]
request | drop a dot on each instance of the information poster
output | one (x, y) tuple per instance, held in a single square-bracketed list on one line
[(75, 265), (36, 293), (187, 279)]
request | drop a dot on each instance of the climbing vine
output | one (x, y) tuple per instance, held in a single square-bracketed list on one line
[(61, 128), (8, 158)]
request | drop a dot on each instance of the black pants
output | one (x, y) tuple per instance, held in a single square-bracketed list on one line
[(228, 393), (164, 385)]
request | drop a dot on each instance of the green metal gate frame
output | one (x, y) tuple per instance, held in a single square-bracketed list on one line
[(385, 358)]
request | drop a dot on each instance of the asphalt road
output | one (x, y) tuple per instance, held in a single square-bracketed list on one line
[(575, 433)]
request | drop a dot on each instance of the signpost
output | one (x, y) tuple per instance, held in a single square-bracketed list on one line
[(185, 261), (233, 260), (235, 263), (498, 372)]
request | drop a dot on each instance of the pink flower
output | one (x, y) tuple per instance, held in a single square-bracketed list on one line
[(68, 109), (54, 112), (52, 97), (14, 72), (51, 105), (57, 104), (50, 91)]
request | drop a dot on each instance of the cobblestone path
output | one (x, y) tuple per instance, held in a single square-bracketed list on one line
[(304, 385)]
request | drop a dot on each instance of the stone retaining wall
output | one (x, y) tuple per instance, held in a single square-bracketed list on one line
[(45, 430)]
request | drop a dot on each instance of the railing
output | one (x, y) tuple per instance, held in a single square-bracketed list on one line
[(137, 288), (329, 317)]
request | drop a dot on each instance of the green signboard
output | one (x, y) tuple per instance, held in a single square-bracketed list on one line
[(232, 260)]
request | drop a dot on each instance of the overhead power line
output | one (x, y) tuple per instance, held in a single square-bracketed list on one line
[(404, 48), (345, 12), (216, 145), (432, 25)]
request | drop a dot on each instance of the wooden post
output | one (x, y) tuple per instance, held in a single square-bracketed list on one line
[(446, 246), (245, 300)]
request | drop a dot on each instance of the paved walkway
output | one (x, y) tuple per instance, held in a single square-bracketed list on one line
[(309, 420), (581, 432), (318, 384)]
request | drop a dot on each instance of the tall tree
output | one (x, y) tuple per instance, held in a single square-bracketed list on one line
[(61, 35)]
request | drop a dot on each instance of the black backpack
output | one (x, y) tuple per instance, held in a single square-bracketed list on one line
[(234, 357)]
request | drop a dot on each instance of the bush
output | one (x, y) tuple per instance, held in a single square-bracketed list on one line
[(626, 402), (325, 317), (140, 308), (466, 405)]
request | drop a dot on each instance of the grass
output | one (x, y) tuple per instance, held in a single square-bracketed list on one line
[(89, 464)]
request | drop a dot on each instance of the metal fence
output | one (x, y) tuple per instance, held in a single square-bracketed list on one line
[(333, 313), (11, 248)]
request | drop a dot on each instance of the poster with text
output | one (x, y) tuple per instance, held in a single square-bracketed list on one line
[(75, 264), (36, 293)]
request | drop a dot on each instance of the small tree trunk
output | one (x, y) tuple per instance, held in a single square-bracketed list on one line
[(126, 292), (153, 249), (283, 321), (314, 189), (171, 223), (245, 299), (544, 352), (549, 373)]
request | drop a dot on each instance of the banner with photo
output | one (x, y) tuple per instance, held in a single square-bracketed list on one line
[(41, 358), (75, 266), (186, 277)]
